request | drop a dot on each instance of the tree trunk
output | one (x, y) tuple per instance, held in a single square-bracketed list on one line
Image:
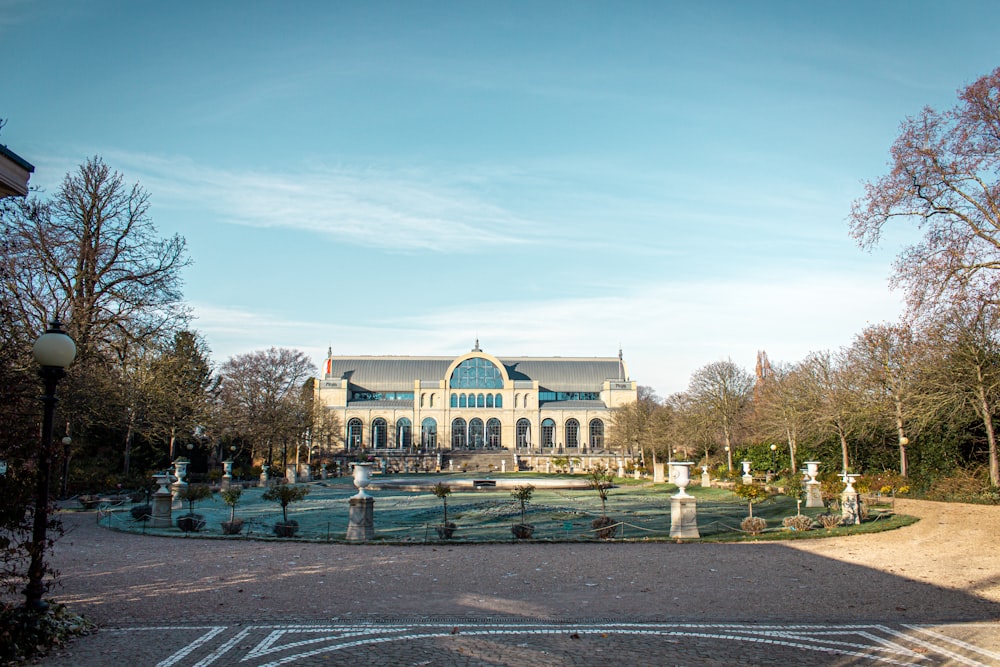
[(991, 438), (729, 450), (843, 445), (129, 434), (792, 448), (903, 463)]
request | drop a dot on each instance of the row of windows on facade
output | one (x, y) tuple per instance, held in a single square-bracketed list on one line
[(475, 400), (474, 434)]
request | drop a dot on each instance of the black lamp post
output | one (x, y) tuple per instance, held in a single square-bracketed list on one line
[(54, 351), (774, 449)]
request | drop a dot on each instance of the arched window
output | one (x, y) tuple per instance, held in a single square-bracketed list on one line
[(489, 400), (462, 401), (422, 397), (516, 398), (355, 430), (596, 434), (572, 433), (476, 373), (480, 401), (493, 434), (404, 433), (458, 440), (454, 400), (476, 434), (548, 433), (432, 400), (523, 434), (428, 433), (498, 401), (380, 433)]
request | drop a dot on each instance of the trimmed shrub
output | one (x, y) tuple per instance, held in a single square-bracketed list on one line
[(798, 522), (753, 525)]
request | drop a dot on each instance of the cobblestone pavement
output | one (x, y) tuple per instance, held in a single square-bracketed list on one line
[(190, 602), (500, 642)]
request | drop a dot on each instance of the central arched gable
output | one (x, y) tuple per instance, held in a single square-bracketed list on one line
[(477, 370)]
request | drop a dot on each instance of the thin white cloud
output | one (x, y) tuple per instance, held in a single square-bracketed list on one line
[(667, 331), (367, 207)]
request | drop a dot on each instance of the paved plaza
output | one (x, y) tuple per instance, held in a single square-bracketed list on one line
[(922, 595)]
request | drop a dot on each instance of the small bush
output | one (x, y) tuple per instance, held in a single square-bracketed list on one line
[(141, 512), (753, 525), (965, 486), (798, 522), (26, 634), (829, 521)]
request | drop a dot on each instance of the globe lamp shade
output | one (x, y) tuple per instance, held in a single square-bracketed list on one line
[(55, 348)]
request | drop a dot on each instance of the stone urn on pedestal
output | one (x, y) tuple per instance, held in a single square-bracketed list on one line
[(180, 472), (683, 506), (850, 501), (265, 474), (161, 502), (814, 491), (361, 517), (747, 477), (227, 474)]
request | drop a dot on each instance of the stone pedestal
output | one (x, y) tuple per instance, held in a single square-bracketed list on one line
[(227, 474), (160, 514), (849, 508), (503, 465), (814, 494), (850, 502), (291, 476), (175, 491), (361, 520), (684, 517), (265, 475), (305, 473), (706, 480), (659, 473)]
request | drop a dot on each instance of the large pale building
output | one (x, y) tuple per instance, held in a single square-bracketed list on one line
[(475, 402)]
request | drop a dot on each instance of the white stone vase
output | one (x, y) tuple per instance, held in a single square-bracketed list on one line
[(681, 472), (163, 479), (362, 478)]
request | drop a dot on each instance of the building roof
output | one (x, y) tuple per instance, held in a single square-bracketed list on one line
[(552, 373), (14, 173)]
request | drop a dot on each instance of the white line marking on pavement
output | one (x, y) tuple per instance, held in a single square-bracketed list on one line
[(184, 652), (958, 642)]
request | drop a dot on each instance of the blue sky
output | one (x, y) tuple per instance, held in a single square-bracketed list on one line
[(554, 178)]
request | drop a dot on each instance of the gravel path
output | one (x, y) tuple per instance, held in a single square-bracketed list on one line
[(943, 570)]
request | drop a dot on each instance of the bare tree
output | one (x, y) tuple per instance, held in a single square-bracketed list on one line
[(260, 396), (886, 356), (968, 371), (944, 177), (781, 407), (838, 405), (721, 391), (634, 425), (92, 256)]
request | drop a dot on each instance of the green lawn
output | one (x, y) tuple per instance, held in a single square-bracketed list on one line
[(486, 516)]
